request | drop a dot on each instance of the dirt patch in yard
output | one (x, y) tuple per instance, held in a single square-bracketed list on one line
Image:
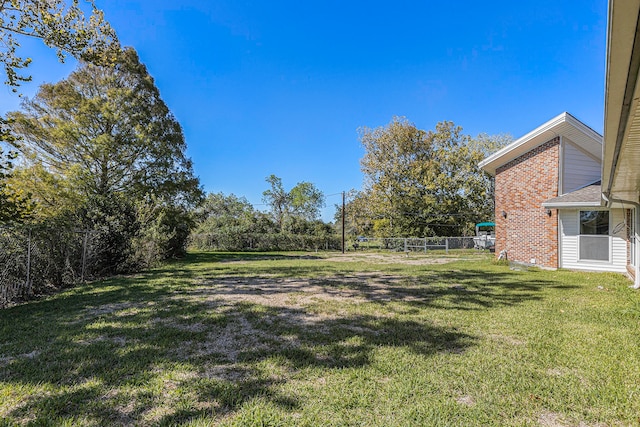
[(266, 314), (224, 324), (552, 419), (8, 359), (289, 294), (466, 400), (385, 258), (367, 257)]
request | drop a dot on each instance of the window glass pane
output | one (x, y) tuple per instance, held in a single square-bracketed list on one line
[(595, 248), (594, 222)]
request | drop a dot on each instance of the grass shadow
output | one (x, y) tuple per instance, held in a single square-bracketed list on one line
[(195, 338)]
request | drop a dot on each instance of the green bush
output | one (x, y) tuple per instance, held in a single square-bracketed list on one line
[(38, 258), (112, 223), (227, 240), (105, 236), (164, 233)]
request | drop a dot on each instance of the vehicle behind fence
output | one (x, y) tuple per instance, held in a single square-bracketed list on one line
[(37, 260)]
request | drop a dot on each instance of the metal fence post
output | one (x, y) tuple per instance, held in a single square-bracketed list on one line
[(27, 284), (84, 254), (446, 245)]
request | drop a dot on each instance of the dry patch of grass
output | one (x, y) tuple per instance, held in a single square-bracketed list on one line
[(392, 258)]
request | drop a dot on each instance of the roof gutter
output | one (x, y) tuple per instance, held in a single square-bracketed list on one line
[(561, 205)]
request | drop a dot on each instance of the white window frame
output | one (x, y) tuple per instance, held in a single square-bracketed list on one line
[(608, 236), (633, 242)]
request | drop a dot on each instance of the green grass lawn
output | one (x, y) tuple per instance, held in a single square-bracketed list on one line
[(325, 339)]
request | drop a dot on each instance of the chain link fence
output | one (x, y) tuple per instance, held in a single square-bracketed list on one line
[(226, 241), (36, 261), (39, 260), (413, 244)]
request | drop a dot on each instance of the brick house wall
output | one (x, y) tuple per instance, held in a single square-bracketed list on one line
[(521, 186)]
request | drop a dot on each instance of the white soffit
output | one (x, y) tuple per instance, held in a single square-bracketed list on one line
[(562, 125), (626, 180), (621, 173)]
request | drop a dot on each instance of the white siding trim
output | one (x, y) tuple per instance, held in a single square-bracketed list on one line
[(569, 241), (578, 168), (560, 240), (636, 283), (561, 167)]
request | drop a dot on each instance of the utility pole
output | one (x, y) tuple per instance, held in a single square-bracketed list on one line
[(343, 245)]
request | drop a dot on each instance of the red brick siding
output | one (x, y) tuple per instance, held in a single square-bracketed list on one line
[(521, 186)]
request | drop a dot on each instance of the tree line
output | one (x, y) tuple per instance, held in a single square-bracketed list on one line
[(417, 184), (420, 183), (229, 222)]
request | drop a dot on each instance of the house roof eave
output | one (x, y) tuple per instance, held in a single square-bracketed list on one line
[(562, 125), (621, 177), (560, 205)]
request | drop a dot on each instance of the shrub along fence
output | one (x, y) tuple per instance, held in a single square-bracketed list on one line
[(39, 259), (36, 260), (225, 241)]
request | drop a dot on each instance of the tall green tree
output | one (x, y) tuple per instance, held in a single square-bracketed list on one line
[(15, 204), (103, 130), (358, 215), (421, 183), (482, 146), (62, 25), (485, 144), (304, 201), (220, 211), (277, 198), (99, 146)]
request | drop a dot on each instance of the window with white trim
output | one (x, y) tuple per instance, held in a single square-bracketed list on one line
[(594, 236)]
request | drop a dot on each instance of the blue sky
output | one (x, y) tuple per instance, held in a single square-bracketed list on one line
[(282, 87)]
